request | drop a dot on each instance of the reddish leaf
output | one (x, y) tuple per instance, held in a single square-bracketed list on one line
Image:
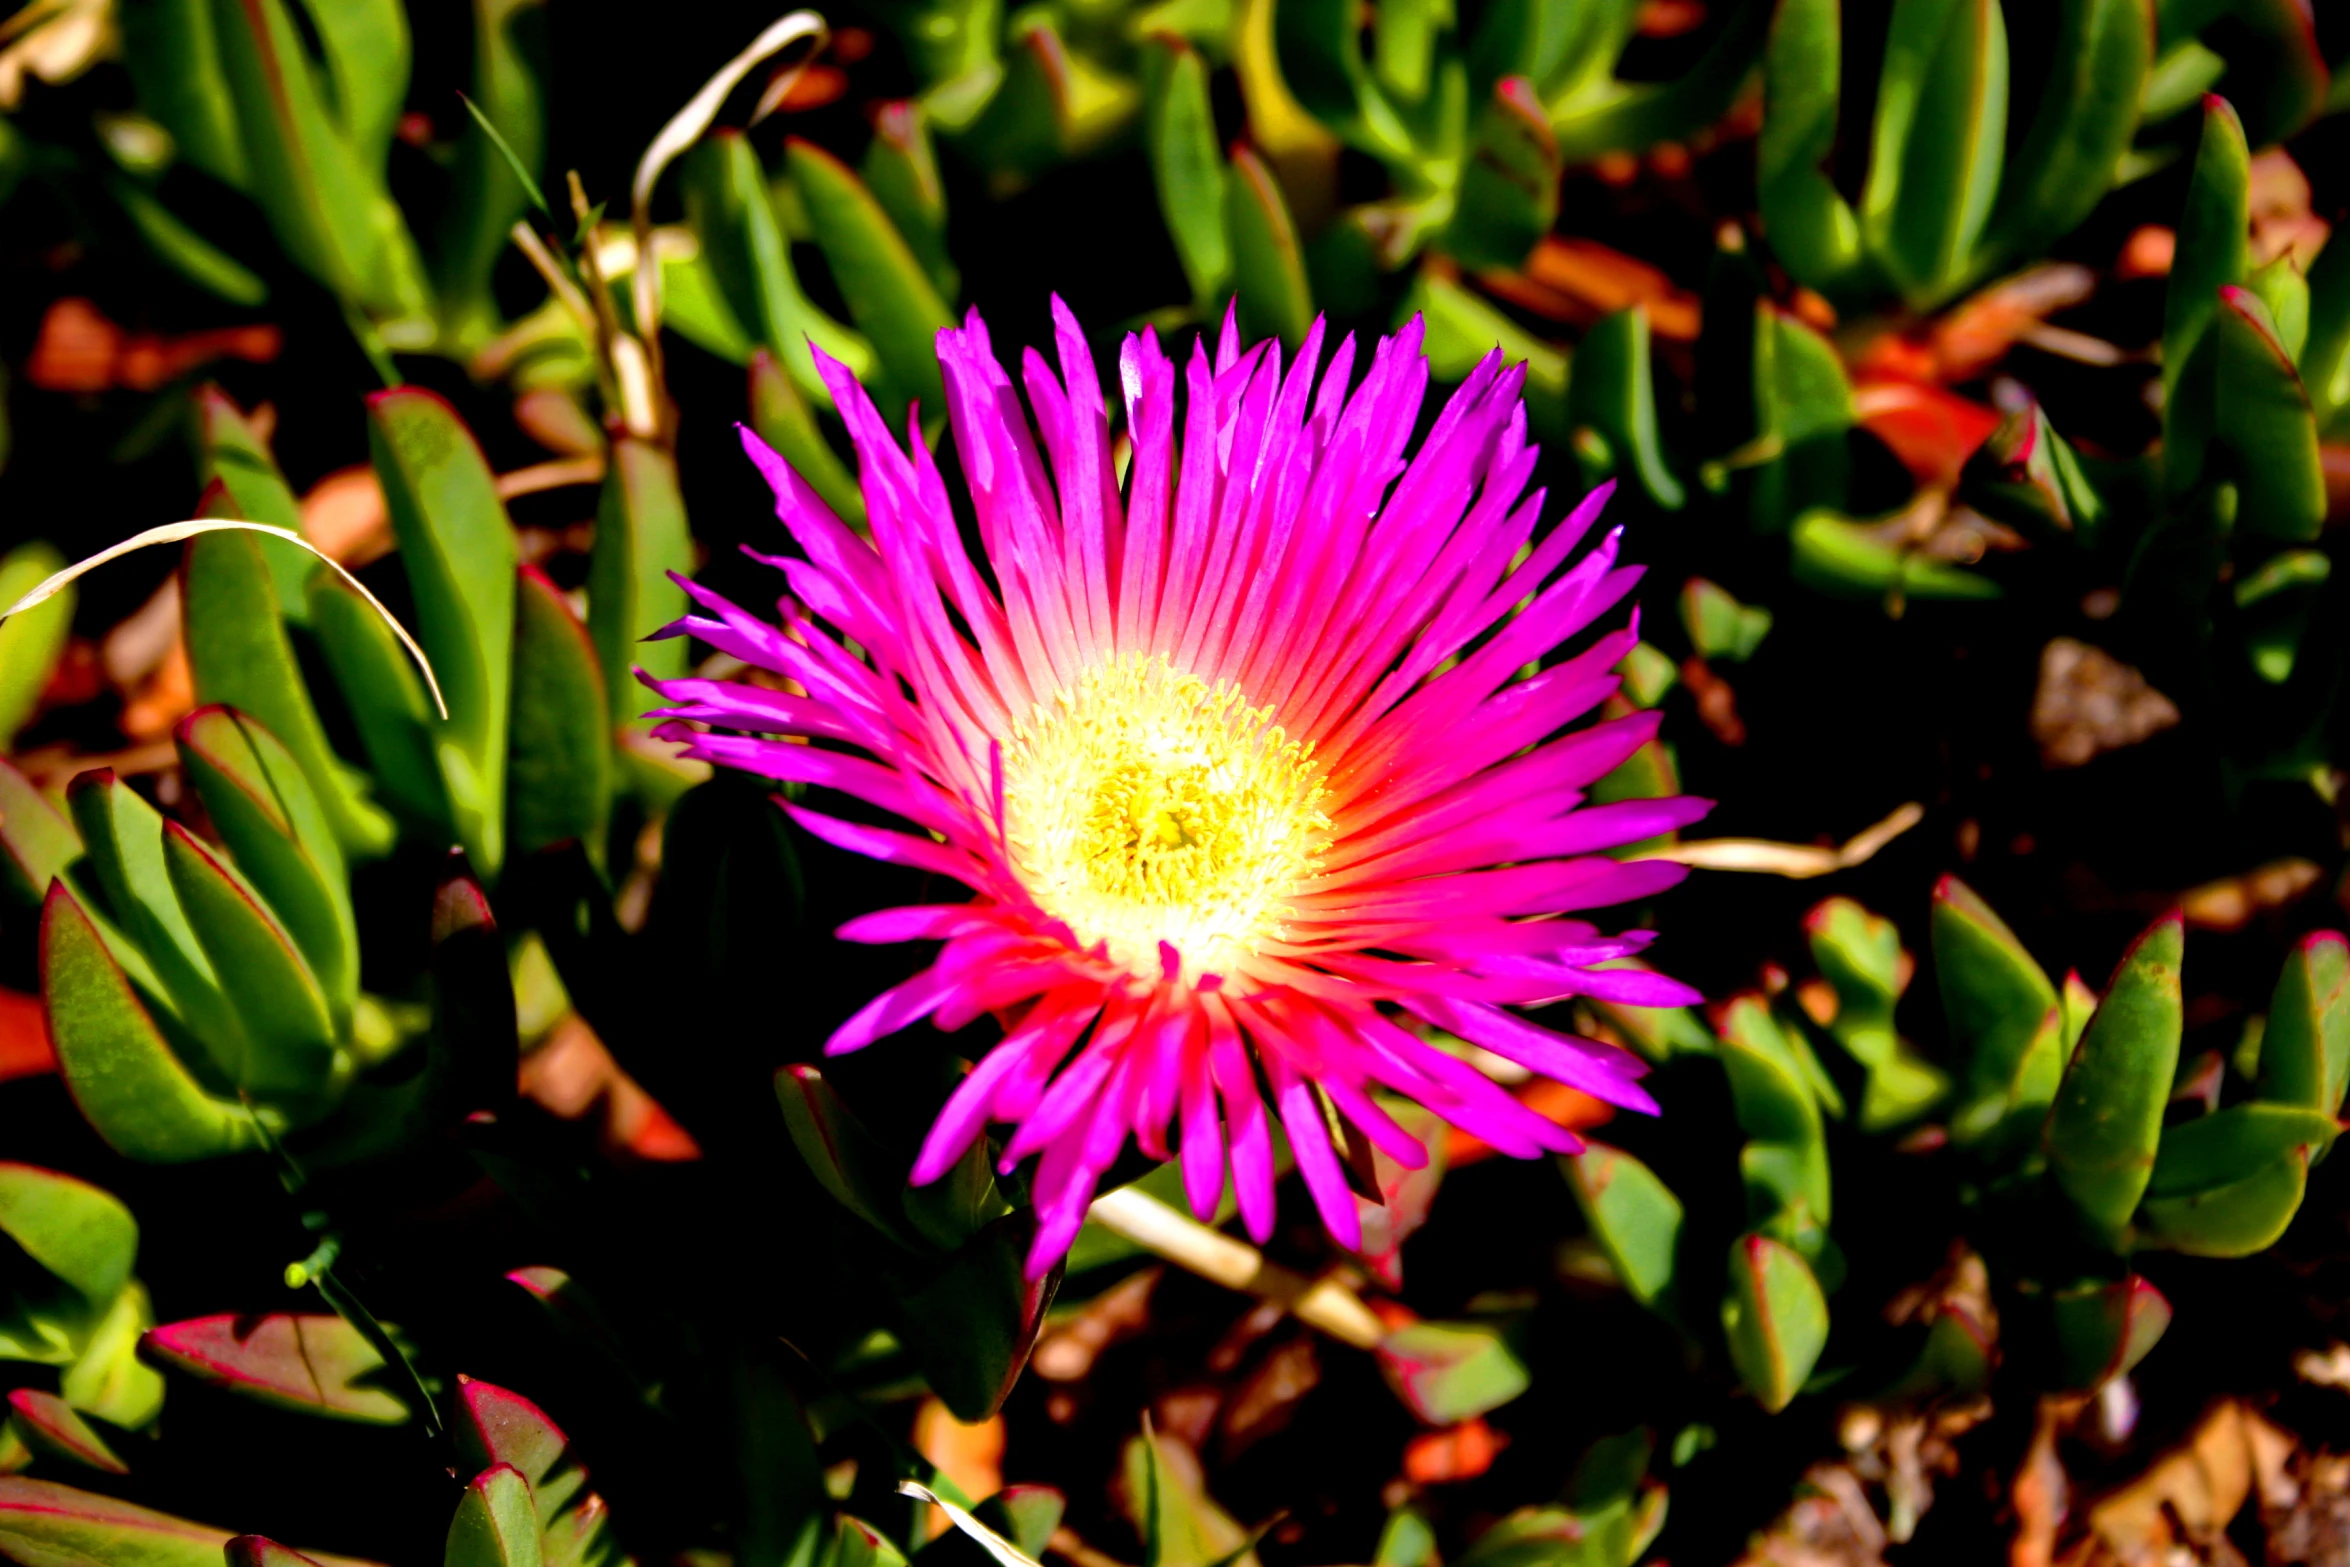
[(314, 1363), (25, 1050)]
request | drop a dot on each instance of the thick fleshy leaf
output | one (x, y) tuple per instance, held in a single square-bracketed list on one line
[(2211, 238), (290, 1040), (1509, 185), (1936, 148), (123, 837), (1462, 329), (2227, 1145), (782, 416), (109, 1380), (2027, 476), (310, 1363), (1640, 115), (1719, 627), (473, 1049), (44, 1524), (326, 204), (728, 207), (559, 767), (1053, 103), (2107, 1116), (1633, 1215), (37, 842), (494, 1427), (972, 1318), (79, 1243), (2277, 601), (1853, 560), (1775, 1318), (1268, 267), (2261, 415), (1187, 163), (901, 169), (263, 809), (845, 1158), (122, 1073), (2233, 1218), (1446, 1372), (2103, 1330), (496, 1524), (2305, 1047), (386, 700), (459, 553), (510, 50), (232, 455), (239, 654), (2087, 113), (1811, 228), (173, 56), (1611, 390), (888, 291), (30, 643), (2325, 356), (1860, 955), (49, 1425), (1180, 1524)]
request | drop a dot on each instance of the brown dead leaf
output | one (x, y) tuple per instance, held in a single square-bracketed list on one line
[(572, 1076), (1969, 339), (1717, 704), (2231, 902), (2306, 1517), (1067, 1353), (2190, 1495), (345, 516), (2282, 222), (970, 1455), (2090, 702), (1264, 1403), (1580, 280), (80, 350)]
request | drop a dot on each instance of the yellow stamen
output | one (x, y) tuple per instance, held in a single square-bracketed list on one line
[(1146, 805)]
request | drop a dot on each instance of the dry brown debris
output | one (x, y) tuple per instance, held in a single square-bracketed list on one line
[(2090, 702)]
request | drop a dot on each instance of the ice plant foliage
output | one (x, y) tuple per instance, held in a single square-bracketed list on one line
[(1239, 756)]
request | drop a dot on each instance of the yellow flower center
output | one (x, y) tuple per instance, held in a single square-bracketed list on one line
[(1146, 805)]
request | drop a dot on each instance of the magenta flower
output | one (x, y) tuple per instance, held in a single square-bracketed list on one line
[(1236, 756)]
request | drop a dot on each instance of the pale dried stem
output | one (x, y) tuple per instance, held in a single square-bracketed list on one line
[(1325, 1303)]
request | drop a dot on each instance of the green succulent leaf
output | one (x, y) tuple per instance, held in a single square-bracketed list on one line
[(1811, 228), (30, 643), (2107, 1118), (2261, 415), (2001, 1011), (2211, 239), (173, 55), (1633, 1215), (387, 702), (49, 1425), (37, 843), (2089, 110), (1446, 1372), (121, 1071), (1849, 559), (290, 1055), (2216, 1149), (2234, 1217), (1859, 954), (498, 161), (496, 1524), (459, 552), (729, 209), (889, 292), (1509, 187), (75, 1243), (232, 455), (109, 1380), (2305, 1047), (1936, 149), (44, 1524), (1775, 1318), (971, 1318), (240, 656), (1187, 164), (253, 1550), (1611, 390), (317, 1364), (1268, 267), (2027, 476), (2103, 1330), (901, 170), (559, 766), (263, 809)]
